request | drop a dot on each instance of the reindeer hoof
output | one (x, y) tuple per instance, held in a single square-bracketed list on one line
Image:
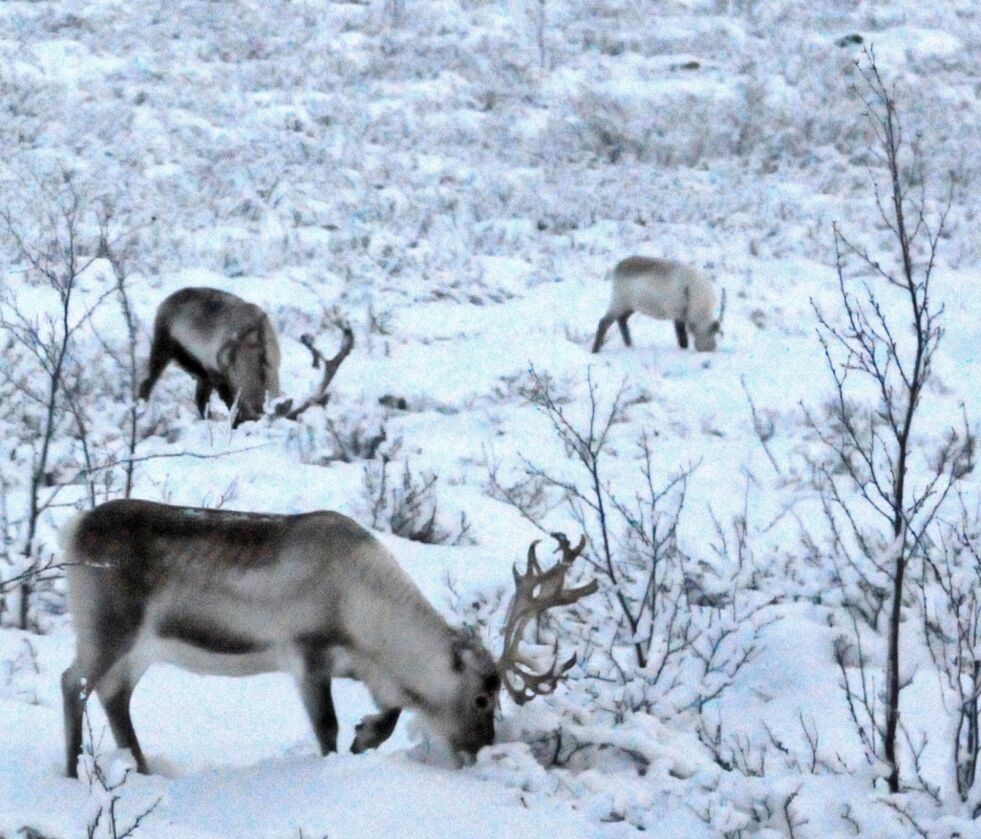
[(359, 746)]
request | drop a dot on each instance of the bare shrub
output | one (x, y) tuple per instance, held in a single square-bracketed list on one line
[(118, 256), (951, 611), (407, 505), (71, 420), (106, 789), (355, 437), (106, 780), (52, 249), (881, 491), (668, 634)]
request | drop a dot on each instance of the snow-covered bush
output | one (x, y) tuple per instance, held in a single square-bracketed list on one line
[(72, 422), (407, 504), (667, 633)]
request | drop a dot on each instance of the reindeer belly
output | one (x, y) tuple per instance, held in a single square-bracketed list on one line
[(222, 641), (198, 659), (659, 303)]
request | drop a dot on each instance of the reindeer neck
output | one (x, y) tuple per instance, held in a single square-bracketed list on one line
[(404, 637)]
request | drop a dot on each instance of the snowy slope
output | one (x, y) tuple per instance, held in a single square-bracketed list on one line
[(456, 179)]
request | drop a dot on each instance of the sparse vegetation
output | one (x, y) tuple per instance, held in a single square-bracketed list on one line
[(784, 636), (407, 504), (876, 470)]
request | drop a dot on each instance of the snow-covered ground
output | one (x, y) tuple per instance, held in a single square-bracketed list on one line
[(456, 179)]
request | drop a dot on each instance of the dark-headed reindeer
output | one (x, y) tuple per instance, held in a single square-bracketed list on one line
[(230, 346), (316, 595), (664, 290), (227, 344)]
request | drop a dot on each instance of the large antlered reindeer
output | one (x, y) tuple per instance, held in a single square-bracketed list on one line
[(315, 594)]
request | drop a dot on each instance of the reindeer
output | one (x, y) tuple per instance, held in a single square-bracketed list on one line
[(315, 594), (227, 344), (230, 346), (664, 290)]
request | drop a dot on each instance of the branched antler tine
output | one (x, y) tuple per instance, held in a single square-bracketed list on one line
[(307, 340), (331, 367), (536, 591), (537, 684), (569, 596), (533, 565), (569, 553)]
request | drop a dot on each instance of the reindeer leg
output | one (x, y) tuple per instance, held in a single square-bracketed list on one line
[(315, 691), (106, 633), (374, 730), (77, 683), (605, 323), (622, 323), (314, 684), (74, 692), (161, 352), (226, 393), (114, 694), (681, 332), (201, 396)]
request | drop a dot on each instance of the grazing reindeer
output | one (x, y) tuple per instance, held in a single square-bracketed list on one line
[(665, 290), (241, 593), (227, 344)]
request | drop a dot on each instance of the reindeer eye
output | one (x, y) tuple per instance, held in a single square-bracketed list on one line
[(482, 702)]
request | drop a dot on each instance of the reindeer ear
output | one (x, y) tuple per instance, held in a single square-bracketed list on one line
[(226, 353), (251, 336)]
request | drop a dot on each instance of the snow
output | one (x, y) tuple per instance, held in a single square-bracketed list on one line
[(456, 180), (260, 775), (900, 44)]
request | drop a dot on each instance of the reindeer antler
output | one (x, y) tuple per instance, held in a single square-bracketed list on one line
[(307, 340), (331, 366), (535, 592), (722, 307)]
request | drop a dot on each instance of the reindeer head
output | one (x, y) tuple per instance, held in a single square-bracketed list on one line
[(468, 721), (706, 334), (468, 724), (242, 361)]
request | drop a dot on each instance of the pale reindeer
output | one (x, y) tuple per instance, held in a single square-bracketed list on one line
[(664, 290), (230, 346), (315, 595)]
